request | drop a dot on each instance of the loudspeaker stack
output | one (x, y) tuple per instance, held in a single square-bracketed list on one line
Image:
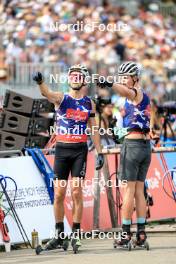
[(25, 120)]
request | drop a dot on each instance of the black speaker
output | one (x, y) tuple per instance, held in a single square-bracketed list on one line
[(1, 119), (10, 141), (13, 122), (27, 103)]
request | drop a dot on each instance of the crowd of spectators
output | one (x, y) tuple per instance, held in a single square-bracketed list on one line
[(31, 32), (148, 37)]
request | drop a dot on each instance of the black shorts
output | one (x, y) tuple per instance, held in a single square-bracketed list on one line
[(70, 157), (135, 158)]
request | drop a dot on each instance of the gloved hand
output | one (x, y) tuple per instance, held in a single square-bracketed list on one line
[(38, 77), (102, 83), (99, 161)]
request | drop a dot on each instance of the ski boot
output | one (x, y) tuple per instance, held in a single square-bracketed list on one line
[(55, 243), (124, 242), (141, 240), (75, 243)]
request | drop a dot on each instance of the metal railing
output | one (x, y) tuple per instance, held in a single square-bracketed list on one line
[(20, 74)]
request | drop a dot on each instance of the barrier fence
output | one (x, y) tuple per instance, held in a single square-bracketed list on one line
[(102, 203)]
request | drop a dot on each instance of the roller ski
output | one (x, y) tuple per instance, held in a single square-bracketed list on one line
[(76, 244), (125, 243), (141, 240), (52, 245)]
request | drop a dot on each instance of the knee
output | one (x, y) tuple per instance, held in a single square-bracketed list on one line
[(59, 197), (77, 195), (129, 192)]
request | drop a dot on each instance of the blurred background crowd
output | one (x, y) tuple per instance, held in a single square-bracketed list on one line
[(149, 37)]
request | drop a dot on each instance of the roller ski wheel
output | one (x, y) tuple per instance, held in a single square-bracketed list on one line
[(124, 243), (75, 249), (142, 244), (146, 245), (115, 244), (129, 245), (75, 245), (38, 250)]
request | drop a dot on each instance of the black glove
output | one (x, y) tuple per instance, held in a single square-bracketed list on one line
[(99, 161), (38, 77), (102, 83)]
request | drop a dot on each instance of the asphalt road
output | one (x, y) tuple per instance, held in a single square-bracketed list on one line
[(162, 250)]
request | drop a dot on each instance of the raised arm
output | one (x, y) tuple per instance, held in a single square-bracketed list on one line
[(122, 90), (53, 97), (132, 94)]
